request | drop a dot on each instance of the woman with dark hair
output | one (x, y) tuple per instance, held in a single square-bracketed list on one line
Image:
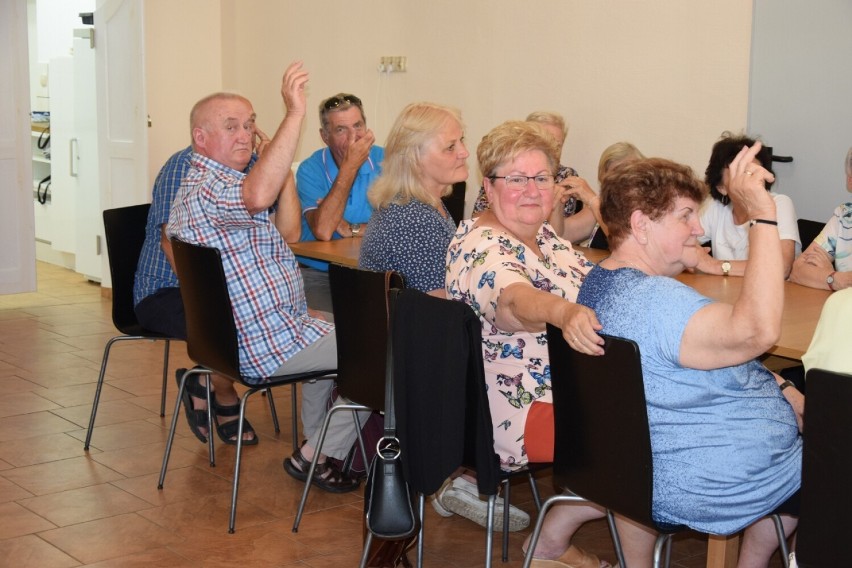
[(726, 224)]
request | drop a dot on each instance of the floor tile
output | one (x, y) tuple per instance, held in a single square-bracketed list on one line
[(84, 504), (16, 520), (30, 550), (103, 539), (40, 449), (62, 475)]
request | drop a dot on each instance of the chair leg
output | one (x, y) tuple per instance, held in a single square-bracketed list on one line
[(421, 511), (528, 556), (238, 460), (661, 545), (616, 540), (100, 384), (489, 529), (366, 552), (272, 411), (360, 439), (172, 429), (317, 452), (534, 490), (782, 541), (165, 378), (211, 449), (294, 413), (507, 487)]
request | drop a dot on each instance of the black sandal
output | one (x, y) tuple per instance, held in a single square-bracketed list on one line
[(326, 476), (228, 431), (196, 418)]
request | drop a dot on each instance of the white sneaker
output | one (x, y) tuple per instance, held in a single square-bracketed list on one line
[(462, 498), (436, 499)]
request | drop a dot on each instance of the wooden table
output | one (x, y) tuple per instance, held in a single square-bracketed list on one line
[(341, 251), (802, 308)]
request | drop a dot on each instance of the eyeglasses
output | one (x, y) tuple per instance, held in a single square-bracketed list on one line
[(336, 101), (542, 181)]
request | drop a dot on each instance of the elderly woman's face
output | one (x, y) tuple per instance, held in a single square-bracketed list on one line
[(519, 209), (444, 160), (673, 238)]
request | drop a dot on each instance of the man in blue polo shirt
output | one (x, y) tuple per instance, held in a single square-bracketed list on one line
[(333, 183)]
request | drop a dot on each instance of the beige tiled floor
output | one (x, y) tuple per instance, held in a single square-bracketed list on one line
[(61, 506)]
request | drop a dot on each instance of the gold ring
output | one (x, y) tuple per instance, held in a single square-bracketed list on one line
[(575, 340), (748, 173)]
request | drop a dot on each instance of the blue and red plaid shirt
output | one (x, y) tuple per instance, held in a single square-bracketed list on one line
[(266, 288)]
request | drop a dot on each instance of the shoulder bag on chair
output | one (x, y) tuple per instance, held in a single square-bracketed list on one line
[(389, 513)]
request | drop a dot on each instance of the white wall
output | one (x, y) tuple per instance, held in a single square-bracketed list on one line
[(668, 76), (669, 79), (183, 61)]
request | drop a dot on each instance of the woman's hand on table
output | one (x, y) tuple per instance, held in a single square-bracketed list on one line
[(580, 327)]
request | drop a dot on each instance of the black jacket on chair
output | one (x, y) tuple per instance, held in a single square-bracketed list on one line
[(442, 413)]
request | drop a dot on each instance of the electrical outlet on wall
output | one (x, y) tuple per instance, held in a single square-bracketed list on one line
[(392, 64)]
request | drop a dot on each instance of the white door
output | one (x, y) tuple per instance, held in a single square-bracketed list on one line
[(84, 169), (17, 224), (122, 118)]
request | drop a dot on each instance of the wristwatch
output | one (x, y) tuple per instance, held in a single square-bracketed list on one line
[(726, 268), (355, 228), (830, 281)]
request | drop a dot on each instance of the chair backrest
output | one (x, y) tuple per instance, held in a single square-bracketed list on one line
[(602, 441), (808, 231), (211, 333), (826, 496), (124, 229), (359, 299), (442, 412), (455, 201)]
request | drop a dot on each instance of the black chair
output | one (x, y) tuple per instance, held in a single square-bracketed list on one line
[(124, 229), (212, 343), (826, 496), (601, 422), (455, 201), (360, 302), (808, 231), (443, 420)]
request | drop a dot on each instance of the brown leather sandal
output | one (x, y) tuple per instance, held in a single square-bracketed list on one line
[(326, 476)]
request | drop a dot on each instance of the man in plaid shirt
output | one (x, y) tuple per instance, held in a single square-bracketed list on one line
[(220, 206)]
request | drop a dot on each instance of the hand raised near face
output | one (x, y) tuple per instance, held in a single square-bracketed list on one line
[(359, 149), (747, 185), (578, 187), (261, 141), (293, 88)]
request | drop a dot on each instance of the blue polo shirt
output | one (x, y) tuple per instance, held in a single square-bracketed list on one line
[(314, 179)]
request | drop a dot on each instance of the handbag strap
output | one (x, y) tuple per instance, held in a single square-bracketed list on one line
[(390, 417)]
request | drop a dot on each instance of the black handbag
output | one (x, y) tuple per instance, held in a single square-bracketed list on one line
[(389, 512)]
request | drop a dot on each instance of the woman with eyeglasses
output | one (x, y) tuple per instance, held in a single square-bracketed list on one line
[(509, 265), (576, 210)]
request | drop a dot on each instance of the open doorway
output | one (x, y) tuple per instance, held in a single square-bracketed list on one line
[(64, 129)]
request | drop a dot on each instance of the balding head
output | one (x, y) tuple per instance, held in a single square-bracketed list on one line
[(222, 129)]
